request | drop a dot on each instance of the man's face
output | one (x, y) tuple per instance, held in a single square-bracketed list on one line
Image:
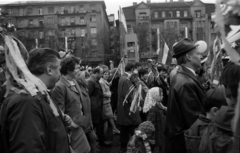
[(75, 71), (55, 73), (195, 57), (99, 75)]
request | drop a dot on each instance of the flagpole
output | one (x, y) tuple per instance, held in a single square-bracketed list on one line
[(117, 69)]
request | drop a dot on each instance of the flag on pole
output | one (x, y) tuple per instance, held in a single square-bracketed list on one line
[(66, 44), (122, 19), (36, 41), (122, 67), (164, 53), (186, 32), (158, 41)]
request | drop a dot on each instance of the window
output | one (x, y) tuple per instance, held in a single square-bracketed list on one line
[(83, 32), (155, 14), (163, 14), (72, 20), (170, 14), (94, 42), (40, 22), (185, 14), (62, 21), (93, 7), (40, 11), (62, 10), (178, 14), (72, 9), (72, 31), (82, 21), (21, 12), (51, 10), (142, 13), (30, 10), (40, 34), (81, 8), (93, 18), (30, 22), (198, 13), (93, 30), (9, 11), (129, 28)]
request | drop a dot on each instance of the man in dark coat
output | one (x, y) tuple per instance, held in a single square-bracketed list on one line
[(185, 97), (96, 96), (127, 121), (29, 123)]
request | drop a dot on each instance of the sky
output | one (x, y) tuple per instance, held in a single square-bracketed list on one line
[(113, 5)]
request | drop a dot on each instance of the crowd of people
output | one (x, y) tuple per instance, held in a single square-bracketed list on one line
[(52, 104)]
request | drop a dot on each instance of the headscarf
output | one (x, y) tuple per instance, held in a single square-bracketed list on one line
[(153, 97), (81, 78)]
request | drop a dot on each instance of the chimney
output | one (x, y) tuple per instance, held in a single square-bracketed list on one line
[(148, 1), (171, 1), (134, 3)]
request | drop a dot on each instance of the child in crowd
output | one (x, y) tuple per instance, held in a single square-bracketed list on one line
[(141, 141), (155, 114), (212, 102)]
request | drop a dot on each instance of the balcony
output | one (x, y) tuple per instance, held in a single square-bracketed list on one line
[(72, 25), (66, 12)]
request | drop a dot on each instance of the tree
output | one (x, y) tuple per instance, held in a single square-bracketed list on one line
[(142, 31)]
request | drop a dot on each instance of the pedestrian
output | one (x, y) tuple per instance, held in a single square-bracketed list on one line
[(96, 96), (128, 122), (90, 133), (30, 120), (156, 114), (107, 112), (68, 96), (185, 96)]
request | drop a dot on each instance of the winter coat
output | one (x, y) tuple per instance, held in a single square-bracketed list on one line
[(29, 125), (96, 96), (217, 138), (69, 99), (123, 116), (194, 134), (184, 106)]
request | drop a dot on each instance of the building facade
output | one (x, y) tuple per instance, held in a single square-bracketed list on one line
[(175, 20), (46, 24)]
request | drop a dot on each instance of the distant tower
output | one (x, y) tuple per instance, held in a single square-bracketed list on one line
[(148, 1)]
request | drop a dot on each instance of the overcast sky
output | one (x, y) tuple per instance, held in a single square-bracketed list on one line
[(113, 5)]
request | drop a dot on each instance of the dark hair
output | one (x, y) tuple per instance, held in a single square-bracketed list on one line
[(39, 59), (137, 64), (214, 98), (142, 72), (161, 68), (68, 64), (181, 59), (129, 67), (230, 79), (97, 70)]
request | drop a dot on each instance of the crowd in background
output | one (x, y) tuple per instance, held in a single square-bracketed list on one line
[(152, 107)]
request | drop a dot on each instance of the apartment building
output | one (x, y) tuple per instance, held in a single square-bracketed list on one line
[(84, 23)]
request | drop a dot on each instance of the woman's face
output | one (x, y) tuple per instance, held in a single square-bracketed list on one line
[(106, 75)]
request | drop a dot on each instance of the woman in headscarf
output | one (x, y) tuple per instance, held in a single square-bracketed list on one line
[(155, 113)]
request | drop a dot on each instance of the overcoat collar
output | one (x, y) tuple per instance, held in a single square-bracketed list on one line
[(187, 72), (66, 82)]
